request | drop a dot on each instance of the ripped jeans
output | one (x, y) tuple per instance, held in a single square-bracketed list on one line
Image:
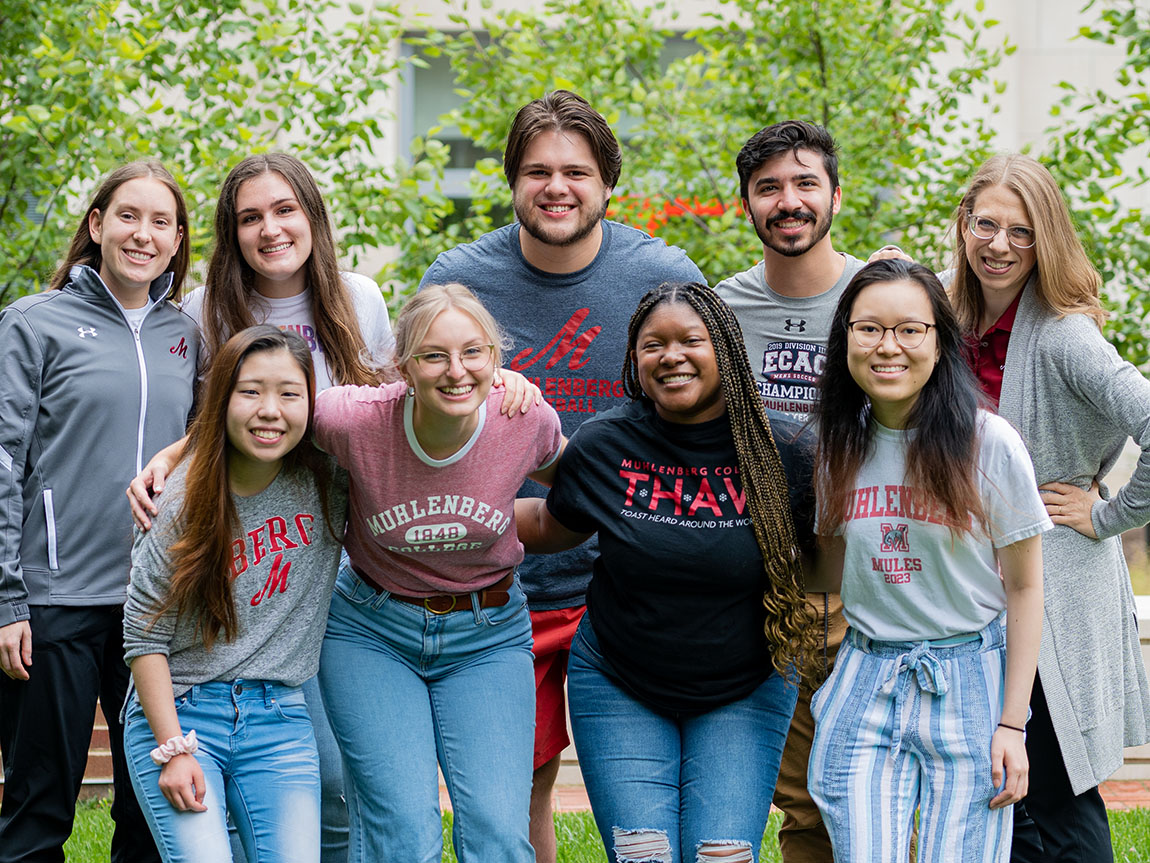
[(664, 786)]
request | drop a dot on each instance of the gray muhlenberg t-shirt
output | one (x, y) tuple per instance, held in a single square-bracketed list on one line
[(786, 337), (284, 562)]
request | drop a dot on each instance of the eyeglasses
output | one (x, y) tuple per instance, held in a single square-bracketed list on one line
[(473, 358), (909, 334), (987, 229)]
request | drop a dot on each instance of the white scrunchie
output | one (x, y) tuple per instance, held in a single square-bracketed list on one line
[(177, 745)]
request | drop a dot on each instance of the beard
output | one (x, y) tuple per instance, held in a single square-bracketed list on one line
[(558, 235), (793, 247)]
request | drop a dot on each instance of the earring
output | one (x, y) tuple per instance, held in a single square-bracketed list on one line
[(410, 391)]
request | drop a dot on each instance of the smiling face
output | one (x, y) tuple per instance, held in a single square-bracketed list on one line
[(138, 235), (1001, 269), (267, 413), (890, 374), (676, 365), (274, 234), (451, 392), (791, 203), (559, 196)]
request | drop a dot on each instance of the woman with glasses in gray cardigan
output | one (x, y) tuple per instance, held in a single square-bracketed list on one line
[(1028, 298)]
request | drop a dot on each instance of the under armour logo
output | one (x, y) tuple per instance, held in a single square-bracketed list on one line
[(86, 331), (801, 326)]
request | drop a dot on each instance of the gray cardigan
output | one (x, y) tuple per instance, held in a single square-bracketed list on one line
[(1075, 401)]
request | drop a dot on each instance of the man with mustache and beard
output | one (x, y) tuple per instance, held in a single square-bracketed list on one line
[(562, 281), (789, 186)]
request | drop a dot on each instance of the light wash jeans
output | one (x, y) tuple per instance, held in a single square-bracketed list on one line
[(407, 689), (258, 755), (901, 726), (669, 787)]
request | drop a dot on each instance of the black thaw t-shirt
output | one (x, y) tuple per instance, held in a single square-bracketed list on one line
[(676, 594)]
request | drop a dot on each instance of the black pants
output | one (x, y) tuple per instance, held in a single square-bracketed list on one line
[(46, 727), (1053, 824)]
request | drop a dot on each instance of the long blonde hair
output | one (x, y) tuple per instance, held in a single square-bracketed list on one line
[(1066, 282)]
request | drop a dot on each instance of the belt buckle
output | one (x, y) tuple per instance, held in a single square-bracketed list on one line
[(427, 604)]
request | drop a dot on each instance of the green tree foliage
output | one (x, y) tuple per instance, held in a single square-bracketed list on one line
[(1099, 151), (872, 71), (90, 84)]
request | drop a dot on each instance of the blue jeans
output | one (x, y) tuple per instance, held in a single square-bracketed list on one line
[(661, 785), (258, 755), (407, 689)]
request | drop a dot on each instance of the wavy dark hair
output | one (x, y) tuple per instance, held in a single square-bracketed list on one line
[(201, 583), (789, 136), (790, 622), (942, 458), (84, 250), (231, 280)]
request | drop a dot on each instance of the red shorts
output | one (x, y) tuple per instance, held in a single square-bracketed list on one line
[(552, 632)]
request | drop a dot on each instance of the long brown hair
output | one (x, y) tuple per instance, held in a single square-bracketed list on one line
[(201, 583), (84, 250), (1067, 282), (231, 280), (942, 458), (790, 621)]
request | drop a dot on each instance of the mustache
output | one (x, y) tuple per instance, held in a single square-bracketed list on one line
[(797, 214)]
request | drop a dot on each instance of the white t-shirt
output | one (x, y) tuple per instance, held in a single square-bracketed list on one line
[(135, 317), (294, 313), (906, 577)]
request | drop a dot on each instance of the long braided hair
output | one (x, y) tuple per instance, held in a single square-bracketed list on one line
[(790, 622)]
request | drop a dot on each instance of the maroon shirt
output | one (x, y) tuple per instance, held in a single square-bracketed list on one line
[(988, 352)]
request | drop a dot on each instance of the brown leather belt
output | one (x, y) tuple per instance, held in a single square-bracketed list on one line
[(494, 596)]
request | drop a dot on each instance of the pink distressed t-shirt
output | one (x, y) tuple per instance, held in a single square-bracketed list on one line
[(421, 526)]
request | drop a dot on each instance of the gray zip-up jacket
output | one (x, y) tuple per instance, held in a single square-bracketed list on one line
[(85, 401)]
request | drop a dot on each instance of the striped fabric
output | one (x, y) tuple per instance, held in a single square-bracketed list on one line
[(902, 726)]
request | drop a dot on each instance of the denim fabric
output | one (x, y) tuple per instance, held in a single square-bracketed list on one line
[(901, 726), (257, 751), (407, 689), (696, 780)]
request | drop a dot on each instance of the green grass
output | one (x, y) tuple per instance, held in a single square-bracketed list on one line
[(579, 840)]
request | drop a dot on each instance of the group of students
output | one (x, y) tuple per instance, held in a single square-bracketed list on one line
[(332, 554)]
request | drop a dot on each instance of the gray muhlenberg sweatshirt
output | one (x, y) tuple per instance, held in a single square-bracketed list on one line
[(85, 401), (284, 563)]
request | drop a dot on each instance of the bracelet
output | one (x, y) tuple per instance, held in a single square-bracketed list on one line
[(1012, 727), (177, 745)]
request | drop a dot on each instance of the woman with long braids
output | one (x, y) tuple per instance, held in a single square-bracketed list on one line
[(680, 696), (932, 521)]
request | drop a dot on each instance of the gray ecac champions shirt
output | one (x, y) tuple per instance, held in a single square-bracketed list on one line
[(786, 337)]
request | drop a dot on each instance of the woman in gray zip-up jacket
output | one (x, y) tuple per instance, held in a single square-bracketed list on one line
[(96, 374)]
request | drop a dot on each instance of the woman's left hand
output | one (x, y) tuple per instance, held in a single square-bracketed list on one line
[(521, 393), (1008, 756), (1069, 505)]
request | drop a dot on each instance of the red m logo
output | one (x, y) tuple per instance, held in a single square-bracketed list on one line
[(565, 342)]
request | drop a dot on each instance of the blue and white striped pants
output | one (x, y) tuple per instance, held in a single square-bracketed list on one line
[(901, 726)]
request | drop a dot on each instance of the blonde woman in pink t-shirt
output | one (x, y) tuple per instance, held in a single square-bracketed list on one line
[(427, 658)]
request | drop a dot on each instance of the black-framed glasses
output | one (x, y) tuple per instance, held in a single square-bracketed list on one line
[(473, 358), (909, 334), (1019, 236)]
